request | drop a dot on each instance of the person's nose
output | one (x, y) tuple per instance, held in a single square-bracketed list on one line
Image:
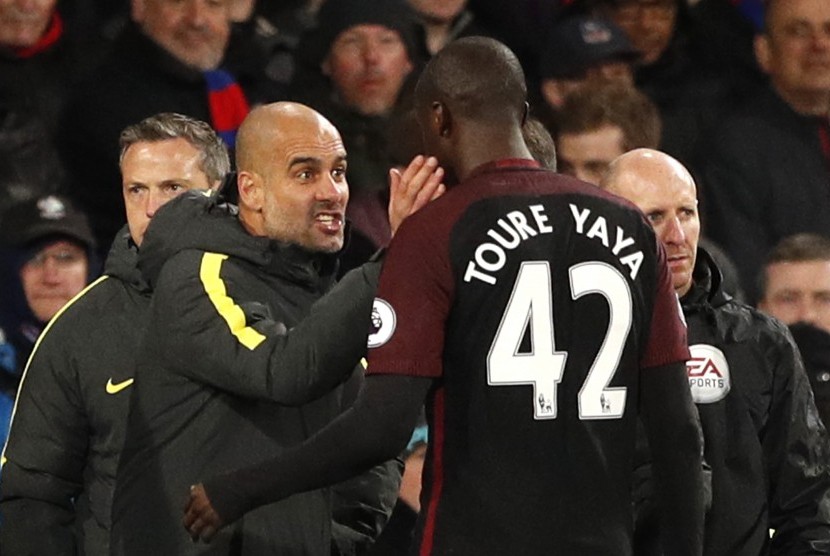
[(333, 190), (371, 52), (51, 271), (807, 312), (154, 201), (673, 232), (821, 40), (195, 12)]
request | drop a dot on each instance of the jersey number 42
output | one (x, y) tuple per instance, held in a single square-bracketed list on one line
[(531, 305)]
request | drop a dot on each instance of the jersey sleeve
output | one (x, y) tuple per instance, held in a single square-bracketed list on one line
[(667, 342), (414, 297)]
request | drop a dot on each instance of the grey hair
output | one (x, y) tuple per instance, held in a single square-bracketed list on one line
[(214, 160)]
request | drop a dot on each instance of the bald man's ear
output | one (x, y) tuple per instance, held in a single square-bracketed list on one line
[(526, 113), (251, 194), (763, 52)]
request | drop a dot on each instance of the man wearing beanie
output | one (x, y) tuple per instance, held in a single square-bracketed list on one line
[(353, 67)]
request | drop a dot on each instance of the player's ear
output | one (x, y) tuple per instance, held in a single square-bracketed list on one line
[(441, 120)]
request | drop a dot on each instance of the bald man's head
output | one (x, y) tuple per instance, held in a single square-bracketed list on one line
[(266, 125), (291, 166), (664, 190)]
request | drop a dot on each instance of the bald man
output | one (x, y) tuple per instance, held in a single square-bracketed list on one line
[(530, 444), (762, 435), (251, 347)]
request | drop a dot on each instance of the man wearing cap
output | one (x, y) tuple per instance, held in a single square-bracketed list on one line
[(582, 50), (353, 69), (48, 257), (69, 420)]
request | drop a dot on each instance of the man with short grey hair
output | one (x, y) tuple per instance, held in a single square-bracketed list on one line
[(68, 424)]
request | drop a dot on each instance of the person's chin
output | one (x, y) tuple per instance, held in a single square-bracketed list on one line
[(329, 245)]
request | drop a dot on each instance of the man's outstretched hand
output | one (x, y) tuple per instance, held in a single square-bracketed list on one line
[(413, 188), (200, 519)]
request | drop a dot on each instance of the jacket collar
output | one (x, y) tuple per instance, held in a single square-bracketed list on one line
[(122, 261), (707, 284)]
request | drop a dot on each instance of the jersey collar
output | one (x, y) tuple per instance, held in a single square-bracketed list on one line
[(505, 163)]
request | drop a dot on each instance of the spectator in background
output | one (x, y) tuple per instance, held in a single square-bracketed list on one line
[(603, 122), (356, 64), (722, 33), (581, 51), (539, 142), (60, 462), (689, 96), (174, 56), (48, 256), (762, 437), (442, 21), (599, 124), (795, 281), (37, 65), (270, 33), (766, 170), (814, 344)]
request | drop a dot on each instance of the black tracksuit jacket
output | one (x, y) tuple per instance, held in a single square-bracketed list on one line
[(68, 426), (763, 439), (247, 348)]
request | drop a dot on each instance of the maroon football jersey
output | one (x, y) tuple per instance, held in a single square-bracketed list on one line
[(534, 300)]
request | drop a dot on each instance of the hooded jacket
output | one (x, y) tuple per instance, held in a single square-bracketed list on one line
[(763, 439), (247, 347), (68, 425)]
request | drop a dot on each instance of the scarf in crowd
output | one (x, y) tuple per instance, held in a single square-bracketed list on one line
[(228, 106), (53, 33)]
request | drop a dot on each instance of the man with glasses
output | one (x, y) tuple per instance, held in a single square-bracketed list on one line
[(670, 71), (47, 258)]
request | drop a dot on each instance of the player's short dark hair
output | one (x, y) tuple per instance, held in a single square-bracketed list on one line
[(214, 159), (478, 77), (612, 104)]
